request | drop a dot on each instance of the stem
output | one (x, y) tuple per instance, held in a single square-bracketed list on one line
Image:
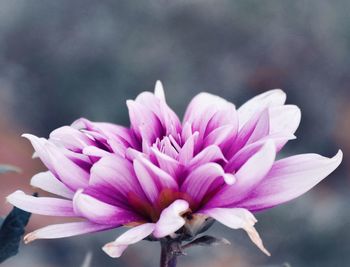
[(170, 249)]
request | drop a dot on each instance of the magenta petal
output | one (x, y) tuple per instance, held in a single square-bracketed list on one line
[(167, 163), (268, 99), (65, 230), (153, 179), (221, 135), (71, 138), (247, 177), (115, 174), (186, 152), (211, 153), (116, 248), (249, 150), (63, 168), (49, 183), (202, 110), (42, 205), (290, 178), (100, 212), (255, 128), (170, 219), (200, 180), (144, 122), (261, 129)]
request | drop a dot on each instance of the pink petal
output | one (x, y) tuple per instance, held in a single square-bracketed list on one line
[(255, 128), (211, 153), (144, 122), (116, 248), (65, 230), (290, 178), (261, 129), (42, 205), (221, 135), (202, 110), (270, 98), (249, 150), (116, 174), (247, 177), (147, 182), (153, 179), (237, 218), (186, 152), (63, 168), (100, 212), (167, 163), (49, 183), (170, 219), (156, 103), (71, 138), (200, 180)]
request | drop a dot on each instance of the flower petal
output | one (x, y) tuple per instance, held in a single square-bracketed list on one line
[(144, 122), (249, 150), (116, 248), (202, 110), (167, 163), (201, 179), (99, 212), (186, 152), (65, 230), (257, 127), (211, 153), (116, 174), (71, 138), (152, 179), (247, 177), (270, 98), (170, 219), (290, 178), (284, 119), (42, 205), (63, 168), (49, 183), (236, 218)]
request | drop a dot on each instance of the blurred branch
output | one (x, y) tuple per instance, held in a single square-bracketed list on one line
[(8, 168), (11, 232)]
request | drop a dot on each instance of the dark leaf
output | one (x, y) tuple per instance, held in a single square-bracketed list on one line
[(11, 232), (207, 241), (8, 168)]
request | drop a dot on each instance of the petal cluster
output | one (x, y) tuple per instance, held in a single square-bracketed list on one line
[(163, 177)]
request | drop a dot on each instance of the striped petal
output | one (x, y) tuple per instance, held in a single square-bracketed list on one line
[(116, 248), (49, 183), (66, 230), (290, 178), (42, 205), (170, 219)]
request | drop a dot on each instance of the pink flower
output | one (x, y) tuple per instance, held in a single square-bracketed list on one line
[(169, 179)]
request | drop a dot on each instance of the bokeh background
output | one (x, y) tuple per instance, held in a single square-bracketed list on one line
[(61, 60)]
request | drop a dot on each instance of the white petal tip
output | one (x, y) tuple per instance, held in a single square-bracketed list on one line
[(159, 90), (230, 179), (113, 250), (339, 156), (29, 238)]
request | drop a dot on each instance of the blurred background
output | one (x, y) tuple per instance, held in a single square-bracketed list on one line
[(61, 60)]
